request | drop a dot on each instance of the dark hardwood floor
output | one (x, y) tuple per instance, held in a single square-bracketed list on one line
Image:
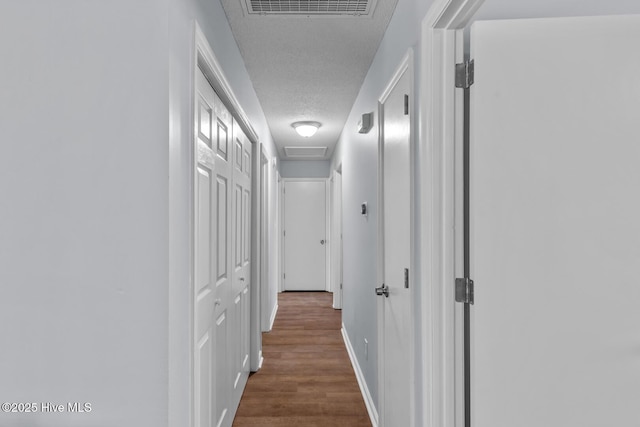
[(306, 379)]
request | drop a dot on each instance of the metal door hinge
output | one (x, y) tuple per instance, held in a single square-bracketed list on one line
[(406, 105), (464, 74), (464, 290), (406, 278)]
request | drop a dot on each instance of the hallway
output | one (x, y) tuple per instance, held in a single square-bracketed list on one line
[(307, 378), (145, 147)]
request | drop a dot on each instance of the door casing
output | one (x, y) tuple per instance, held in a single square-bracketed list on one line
[(441, 134), (264, 237), (335, 243)]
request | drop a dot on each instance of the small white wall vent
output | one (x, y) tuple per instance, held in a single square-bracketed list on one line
[(310, 7), (307, 152)]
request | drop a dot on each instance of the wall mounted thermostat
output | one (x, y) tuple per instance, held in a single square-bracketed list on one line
[(363, 209)]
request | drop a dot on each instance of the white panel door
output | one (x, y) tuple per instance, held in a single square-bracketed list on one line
[(305, 235), (212, 260), (396, 250), (241, 225), (555, 235)]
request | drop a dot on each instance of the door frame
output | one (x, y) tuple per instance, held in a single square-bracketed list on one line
[(335, 244), (255, 353), (205, 59), (280, 233), (441, 248), (327, 228), (406, 66), (264, 240)]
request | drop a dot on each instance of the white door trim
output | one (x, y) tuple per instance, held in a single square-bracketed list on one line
[(280, 233), (264, 239), (327, 236), (406, 65), (327, 226), (255, 353), (210, 66), (441, 136), (335, 244), (205, 60)]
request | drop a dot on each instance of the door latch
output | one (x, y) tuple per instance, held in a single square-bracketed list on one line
[(383, 290)]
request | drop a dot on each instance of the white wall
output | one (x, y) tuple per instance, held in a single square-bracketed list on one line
[(95, 205), (305, 168), (357, 153), (84, 241)]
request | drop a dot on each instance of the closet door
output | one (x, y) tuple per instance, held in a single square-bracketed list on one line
[(241, 270), (212, 257)]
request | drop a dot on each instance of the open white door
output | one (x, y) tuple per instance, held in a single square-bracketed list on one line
[(395, 312), (555, 230)]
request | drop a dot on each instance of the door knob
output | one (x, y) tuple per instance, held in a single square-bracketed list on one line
[(322, 242), (218, 301), (383, 290)]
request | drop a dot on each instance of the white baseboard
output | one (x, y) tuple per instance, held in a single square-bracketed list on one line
[(273, 316), (261, 360), (368, 401)]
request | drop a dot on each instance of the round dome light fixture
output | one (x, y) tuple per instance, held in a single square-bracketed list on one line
[(306, 129)]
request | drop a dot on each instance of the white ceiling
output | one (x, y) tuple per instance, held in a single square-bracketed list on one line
[(307, 67), (515, 9), (311, 67)]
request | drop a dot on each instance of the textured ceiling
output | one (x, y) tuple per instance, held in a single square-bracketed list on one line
[(311, 67), (307, 67)]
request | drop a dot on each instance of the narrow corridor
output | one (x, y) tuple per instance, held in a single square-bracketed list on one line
[(307, 378)]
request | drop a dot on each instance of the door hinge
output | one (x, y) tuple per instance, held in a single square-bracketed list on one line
[(284, 275), (464, 74), (406, 105), (464, 290), (406, 278), (284, 233)]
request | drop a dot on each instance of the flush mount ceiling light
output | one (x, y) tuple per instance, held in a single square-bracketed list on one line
[(306, 129)]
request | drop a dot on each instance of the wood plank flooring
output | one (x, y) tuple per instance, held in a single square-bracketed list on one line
[(306, 379)]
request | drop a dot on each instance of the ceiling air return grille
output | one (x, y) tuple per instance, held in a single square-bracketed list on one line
[(310, 7), (307, 152)]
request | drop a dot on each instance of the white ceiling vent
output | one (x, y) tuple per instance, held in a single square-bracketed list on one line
[(307, 152), (310, 7)]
